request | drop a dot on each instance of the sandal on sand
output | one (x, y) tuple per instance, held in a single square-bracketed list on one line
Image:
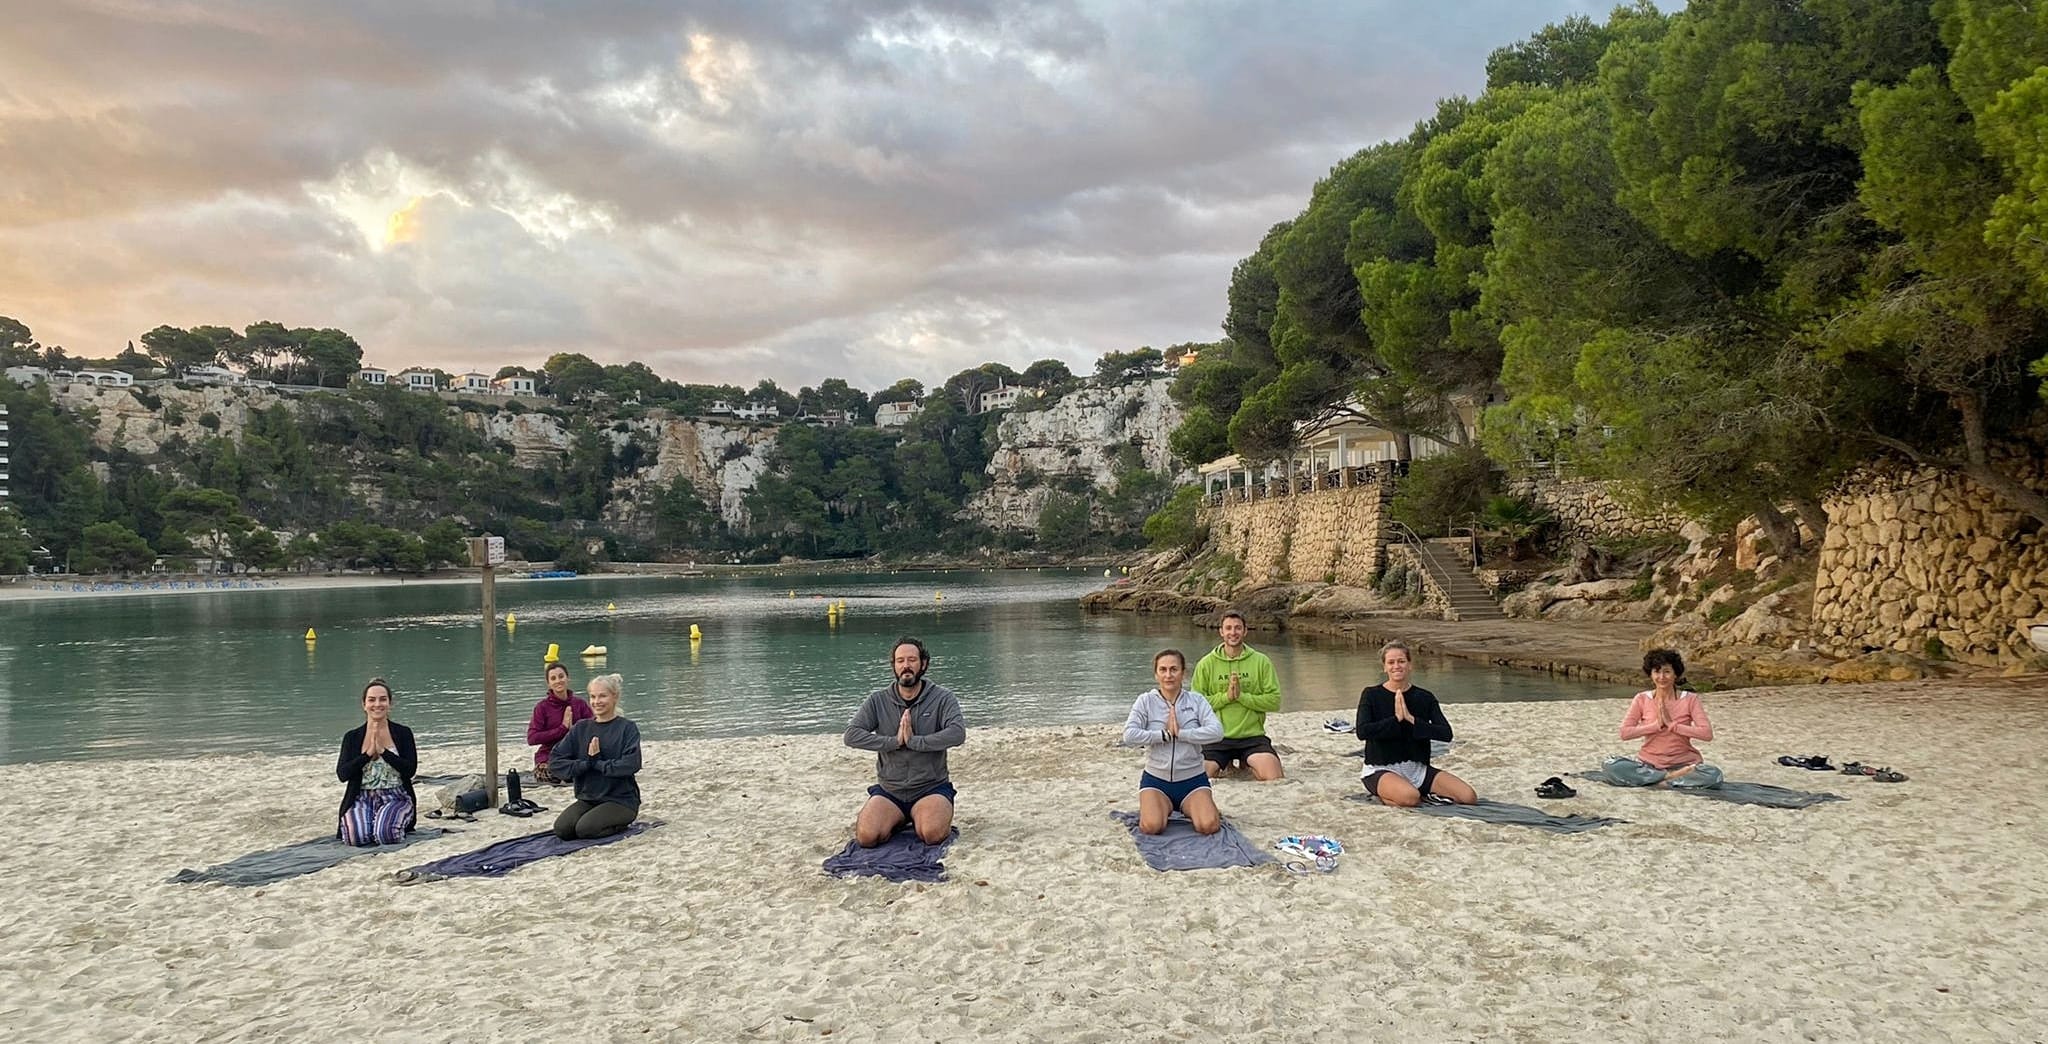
[(1885, 775), (1337, 725), (1789, 761), (1853, 768), (1555, 788), (510, 809)]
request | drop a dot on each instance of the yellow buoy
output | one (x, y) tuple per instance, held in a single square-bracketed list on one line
[(594, 650), (938, 596), (310, 635), (610, 608), (792, 592), (511, 620), (554, 654), (695, 633), (1105, 572)]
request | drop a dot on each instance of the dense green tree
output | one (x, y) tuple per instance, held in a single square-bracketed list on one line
[(14, 539), (444, 542), (1063, 523), (18, 346), (1045, 373), (110, 547), (179, 350), (572, 376), (210, 518)]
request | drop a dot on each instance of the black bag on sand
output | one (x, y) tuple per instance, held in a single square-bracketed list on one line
[(512, 785)]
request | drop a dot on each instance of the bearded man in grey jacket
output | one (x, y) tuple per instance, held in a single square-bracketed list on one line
[(909, 724)]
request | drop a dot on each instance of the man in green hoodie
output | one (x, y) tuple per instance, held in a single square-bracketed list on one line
[(1239, 682)]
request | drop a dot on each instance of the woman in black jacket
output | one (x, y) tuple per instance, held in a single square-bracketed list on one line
[(1397, 720), (378, 761)]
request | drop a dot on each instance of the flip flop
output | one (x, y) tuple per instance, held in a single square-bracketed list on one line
[(510, 809), (1885, 775), (1337, 725), (1853, 768), (1789, 761), (1555, 788)]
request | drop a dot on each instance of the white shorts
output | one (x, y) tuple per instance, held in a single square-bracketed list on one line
[(1412, 771)]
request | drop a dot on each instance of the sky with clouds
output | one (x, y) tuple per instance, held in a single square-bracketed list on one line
[(725, 190)]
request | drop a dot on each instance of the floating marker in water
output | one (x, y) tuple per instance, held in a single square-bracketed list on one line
[(695, 633), (511, 620), (554, 654), (938, 596), (310, 635), (594, 650), (792, 592), (610, 607)]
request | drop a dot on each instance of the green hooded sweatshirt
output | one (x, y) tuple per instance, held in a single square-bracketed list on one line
[(1258, 690)]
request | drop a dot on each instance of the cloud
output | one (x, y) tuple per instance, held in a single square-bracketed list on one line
[(724, 190)]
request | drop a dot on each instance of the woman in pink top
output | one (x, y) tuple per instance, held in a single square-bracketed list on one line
[(1667, 719)]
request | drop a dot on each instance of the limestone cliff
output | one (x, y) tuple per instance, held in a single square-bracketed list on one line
[(1079, 435)]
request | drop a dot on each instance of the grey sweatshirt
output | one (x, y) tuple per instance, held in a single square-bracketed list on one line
[(1166, 757), (909, 770), (609, 776)]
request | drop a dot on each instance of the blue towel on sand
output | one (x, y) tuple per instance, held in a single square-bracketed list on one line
[(1180, 848), (503, 857), (1739, 793), (1501, 813), (903, 857), (305, 857)]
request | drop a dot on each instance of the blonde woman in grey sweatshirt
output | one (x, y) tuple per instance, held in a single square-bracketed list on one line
[(1173, 724)]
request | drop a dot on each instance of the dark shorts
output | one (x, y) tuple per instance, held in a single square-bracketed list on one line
[(1238, 750), (1429, 774), (1175, 792), (944, 790)]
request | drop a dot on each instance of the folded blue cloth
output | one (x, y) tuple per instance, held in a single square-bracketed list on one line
[(503, 857), (1180, 848), (903, 857)]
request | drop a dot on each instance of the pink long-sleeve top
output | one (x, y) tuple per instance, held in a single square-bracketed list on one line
[(1667, 748)]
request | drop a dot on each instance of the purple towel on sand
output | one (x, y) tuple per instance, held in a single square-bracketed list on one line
[(503, 857), (903, 857), (1180, 848)]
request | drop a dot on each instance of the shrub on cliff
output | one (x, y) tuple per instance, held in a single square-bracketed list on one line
[(1175, 525)]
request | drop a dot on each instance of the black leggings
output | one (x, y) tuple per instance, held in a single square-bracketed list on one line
[(588, 819)]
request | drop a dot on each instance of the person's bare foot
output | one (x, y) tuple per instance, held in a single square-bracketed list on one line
[(1679, 773)]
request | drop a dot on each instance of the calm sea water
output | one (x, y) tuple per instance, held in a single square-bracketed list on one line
[(190, 674)]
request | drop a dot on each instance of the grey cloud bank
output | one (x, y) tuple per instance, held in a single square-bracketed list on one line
[(725, 191)]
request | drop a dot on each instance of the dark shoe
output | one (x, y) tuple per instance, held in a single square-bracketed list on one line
[(1885, 775), (510, 809), (1555, 788), (1853, 768)]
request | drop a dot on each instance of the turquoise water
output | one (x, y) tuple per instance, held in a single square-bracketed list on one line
[(225, 672)]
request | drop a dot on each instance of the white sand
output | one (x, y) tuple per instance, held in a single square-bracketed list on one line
[(1910, 912)]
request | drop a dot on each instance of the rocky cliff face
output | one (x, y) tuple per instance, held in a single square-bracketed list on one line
[(1079, 435)]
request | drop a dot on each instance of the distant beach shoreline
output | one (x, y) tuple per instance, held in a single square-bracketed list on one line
[(24, 588)]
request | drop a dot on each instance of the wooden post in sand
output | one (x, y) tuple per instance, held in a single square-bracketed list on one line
[(486, 552)]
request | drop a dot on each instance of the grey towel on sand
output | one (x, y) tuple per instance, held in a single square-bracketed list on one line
[(305, 857), (1180, 848), (1740, 793), (903, 857), (1501, 813), (503, 857)]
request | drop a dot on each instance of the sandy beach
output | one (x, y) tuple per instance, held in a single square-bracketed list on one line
[(1908, 912)]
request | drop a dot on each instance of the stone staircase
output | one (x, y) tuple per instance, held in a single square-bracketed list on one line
[(1468, 599)]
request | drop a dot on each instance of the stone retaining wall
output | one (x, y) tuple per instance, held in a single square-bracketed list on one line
[(1924, 555), (1585, 509), (1336, 535)]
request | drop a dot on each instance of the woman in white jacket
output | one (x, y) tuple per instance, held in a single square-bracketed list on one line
[(1173, 724)]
